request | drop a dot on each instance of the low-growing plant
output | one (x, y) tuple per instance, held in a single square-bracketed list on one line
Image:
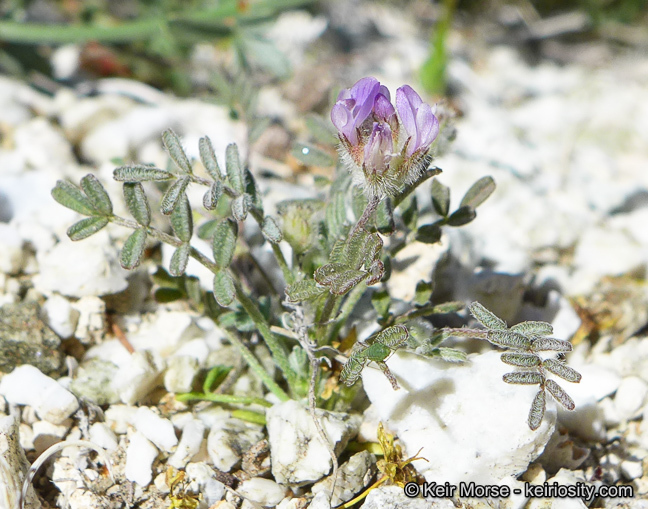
[(342, 242)]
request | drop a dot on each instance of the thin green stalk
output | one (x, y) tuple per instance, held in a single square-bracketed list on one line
[(222, 398), (250, 416), (256, 366)]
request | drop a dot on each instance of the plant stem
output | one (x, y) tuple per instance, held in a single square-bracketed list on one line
[(371, 207), (222, 398), (407, 190)]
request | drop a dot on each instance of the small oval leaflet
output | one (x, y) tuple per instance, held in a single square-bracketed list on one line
[(224, 243), (523, 378), (181, 219), (179, 260), (560, 395), (224, 290), (440, 198), (376, 272), (562, 370), (303, 290), (70, 196), (533, 328), (240, 207), (462, 216), (137, 203), (140, 173), (133, 249), (346, 281), (351, 371), (507, 339), (523, 360), (86, 227), (174, 149), (208, 158), (393, 337), (233, 168), (478, 192), (97, 194), (172, 195), (486, 318), (537, 410), (271, 230), (213, 194), (545, 344), (327, 273)]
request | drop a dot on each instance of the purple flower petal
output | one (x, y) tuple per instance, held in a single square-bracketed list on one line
[(353, 107), (383, 109), (378, 150), (417, 118)]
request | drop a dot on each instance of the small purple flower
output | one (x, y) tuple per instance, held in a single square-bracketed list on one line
[(378, 150), (417, 118), (353, 107)]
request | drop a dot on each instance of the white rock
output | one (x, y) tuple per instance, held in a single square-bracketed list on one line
[(352, 476), (137, 379), (607, 252), (437, 408), (180, 373), (632, 469), (298, 453), (103, 436), (630, 396), (52, 150), (140, 456), (26, 385), (393, 496), (190, 442), (65, 61), (228, 439), (83, 268), (11, 254), (320, 501), (61, 316), (263, 491), (157, 429), (91, 323), (203, 481), (47, 434), (564, 478), (118, 417), (13, 467), (164, 332)]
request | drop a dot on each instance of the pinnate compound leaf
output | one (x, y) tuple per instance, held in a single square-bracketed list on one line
[(392, 337), (140, 173), (240, 207), (440, 198), (179, 260), (224, 291), (234, 169), (173, 194), (537, 410), (208, 158), (303, 290), (523, 360), (478, 192), (486, 318), (523, 378), (224, 243), (533, 328), (176, 152), (86, 227), (181, 219), (137, 203), (97, 194), (462, 216), (560, 395), (213, 194), (562, 370), (270, 230), (131, 253), (546, 344), (508, 339), (70, 196)]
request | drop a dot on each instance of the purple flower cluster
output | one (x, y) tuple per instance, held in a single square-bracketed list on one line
[(384, 146)]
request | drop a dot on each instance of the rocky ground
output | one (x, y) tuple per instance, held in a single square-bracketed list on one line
[(562, 239)]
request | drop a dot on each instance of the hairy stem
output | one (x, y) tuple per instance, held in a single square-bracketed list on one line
[(407, 190)]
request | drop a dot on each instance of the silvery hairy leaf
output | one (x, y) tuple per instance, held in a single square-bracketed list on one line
[(372, 248), (440, 198), (562, 370), (179, 260), (224, 243), (141, 173), (133, 249), (462, 216), (234, 169), (240, 207), (327, 273), (546, 344), (181, 219), (174, 149), (346, 281), (213, 194), (270, 230), (70, 196), (303, 290), (560, 395), (351, 371), (508, 339), (392, 337), (523, 378), (523, 360), (537, 410), (486, 318), (478, 192), (355, 250), (86, 227), (97, 194), (533, 328), (137, 203), (224, 291), (208, 158), (173, 194), (376, 272), (385, 217)]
